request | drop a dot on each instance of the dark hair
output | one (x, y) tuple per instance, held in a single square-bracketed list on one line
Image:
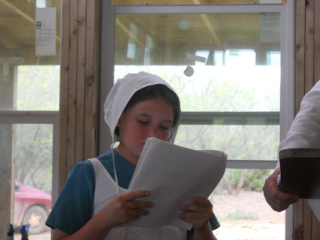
[(153, 91)]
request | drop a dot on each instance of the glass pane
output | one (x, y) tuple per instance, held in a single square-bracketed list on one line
[(240, 142), (38, 88), (20, 44), (232, 58), (29, 81), (193, 2), (218, 63), (196, 39), (241, 209), (27, 150), (220, 89)]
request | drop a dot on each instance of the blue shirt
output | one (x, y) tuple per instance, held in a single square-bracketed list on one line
[(74, 207)]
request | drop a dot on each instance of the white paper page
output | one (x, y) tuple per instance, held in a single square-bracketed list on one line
[(46, 31), (173, 175)]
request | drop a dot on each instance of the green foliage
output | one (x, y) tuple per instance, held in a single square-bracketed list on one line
[(254, 180), (33, 159), (38, 89), (219, 89)]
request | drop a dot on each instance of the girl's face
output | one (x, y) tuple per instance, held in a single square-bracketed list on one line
[(150, 118)]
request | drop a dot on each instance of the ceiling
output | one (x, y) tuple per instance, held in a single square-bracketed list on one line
[(17, 31), (175, 35)]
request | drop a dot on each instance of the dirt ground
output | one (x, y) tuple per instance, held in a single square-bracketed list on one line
[(247, 217), (243, 217)]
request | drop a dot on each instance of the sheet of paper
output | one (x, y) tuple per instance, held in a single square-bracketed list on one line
[(46, 31), (173, 175)]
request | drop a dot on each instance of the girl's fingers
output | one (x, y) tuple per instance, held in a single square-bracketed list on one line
[(192, 208), (139, 204), (134, 195), (200, 204), (139, 212), (203, 201), (186, 215)]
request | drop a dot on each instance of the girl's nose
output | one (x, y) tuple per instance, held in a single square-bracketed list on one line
[(153, 131)]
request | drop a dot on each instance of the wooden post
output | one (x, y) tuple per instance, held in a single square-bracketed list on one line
[(305, 225), (79, 95), (7, 102)]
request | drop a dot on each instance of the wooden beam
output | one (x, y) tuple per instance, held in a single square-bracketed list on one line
[(79, 92), (28, 56), (80, 80), (309, 47), (20, 12), (128, 32), (306, 225), (316, 41), (7, 102), (300, 52), (210, 26), (64, 92), (91, 80)]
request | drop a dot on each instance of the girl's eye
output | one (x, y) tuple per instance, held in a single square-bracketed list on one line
[(164, 127), (143, 122)]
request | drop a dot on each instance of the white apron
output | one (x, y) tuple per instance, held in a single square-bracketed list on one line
[(106, 190)]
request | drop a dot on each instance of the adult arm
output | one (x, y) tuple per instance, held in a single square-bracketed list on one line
[(305, 128), (303, 133)]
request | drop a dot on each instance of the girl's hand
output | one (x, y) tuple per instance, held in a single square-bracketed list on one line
[(125, 208), (198, 214), (120, 210)]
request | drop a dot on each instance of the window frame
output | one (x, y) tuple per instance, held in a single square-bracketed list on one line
[(39, 117), (287, 88)]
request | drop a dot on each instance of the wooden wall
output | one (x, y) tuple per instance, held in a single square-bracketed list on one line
[(306, 226), (307, 46), (79, 100), (79, 103)]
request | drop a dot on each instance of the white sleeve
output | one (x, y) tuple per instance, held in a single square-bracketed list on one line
[(305, 131), (305, 128)]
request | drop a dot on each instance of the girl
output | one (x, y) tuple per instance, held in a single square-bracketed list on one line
[(95, 202)]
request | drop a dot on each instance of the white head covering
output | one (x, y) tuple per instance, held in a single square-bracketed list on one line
[(122, 92)]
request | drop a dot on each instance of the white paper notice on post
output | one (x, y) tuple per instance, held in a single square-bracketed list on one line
[(174, 174), (45, 31)]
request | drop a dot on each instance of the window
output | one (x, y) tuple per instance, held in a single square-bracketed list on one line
[(29, 137), (193, 2), (230, 65), (29, 119)]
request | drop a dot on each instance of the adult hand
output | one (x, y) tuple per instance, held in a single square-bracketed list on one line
[(126, 207), (198, 213), (277, 199)]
